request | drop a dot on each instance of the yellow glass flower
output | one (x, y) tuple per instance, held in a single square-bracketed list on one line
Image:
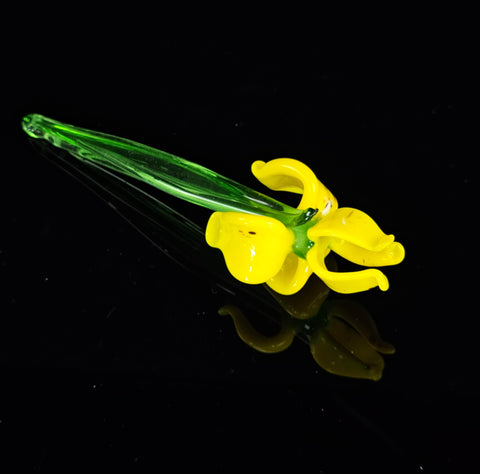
[(261, 249)]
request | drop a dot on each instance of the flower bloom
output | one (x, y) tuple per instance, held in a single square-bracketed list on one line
[(261, 249)]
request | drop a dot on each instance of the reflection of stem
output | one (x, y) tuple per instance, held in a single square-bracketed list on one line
[(268, 344)]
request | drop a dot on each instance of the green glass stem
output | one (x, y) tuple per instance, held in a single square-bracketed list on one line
[(171, 174)]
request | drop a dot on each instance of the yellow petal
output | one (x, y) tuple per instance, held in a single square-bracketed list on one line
[(354, 226), (306, 303), (286, 174), (292, 276), (343, 282), (391, 255), (254, 247)]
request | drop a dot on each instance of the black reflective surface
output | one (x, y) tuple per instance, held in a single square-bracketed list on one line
[(112, 355)]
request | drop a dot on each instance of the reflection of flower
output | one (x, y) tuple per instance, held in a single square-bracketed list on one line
[(260, 249), (342, 335), (349, 344)]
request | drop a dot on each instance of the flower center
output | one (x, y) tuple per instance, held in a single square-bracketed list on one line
[(302, 243)]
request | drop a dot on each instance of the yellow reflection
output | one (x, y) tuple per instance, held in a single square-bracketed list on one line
[(342, 335)]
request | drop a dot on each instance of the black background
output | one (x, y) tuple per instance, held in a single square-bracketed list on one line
[(112, 356)]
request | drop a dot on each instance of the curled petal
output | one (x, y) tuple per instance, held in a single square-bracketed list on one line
[(344, 282), (353, 226), (391, 255), (306, 303), (292, 276), (254, 247), (286, 174)]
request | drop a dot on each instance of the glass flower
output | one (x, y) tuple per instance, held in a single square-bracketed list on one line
[(262, 239), (260, 249)]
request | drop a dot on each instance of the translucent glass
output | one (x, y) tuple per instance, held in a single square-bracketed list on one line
[(174, 175)]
